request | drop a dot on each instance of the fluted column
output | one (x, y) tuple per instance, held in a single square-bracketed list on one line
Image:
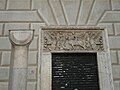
[(20, 41)]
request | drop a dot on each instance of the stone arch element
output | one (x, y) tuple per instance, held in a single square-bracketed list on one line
[(75, 40), (20, 40)]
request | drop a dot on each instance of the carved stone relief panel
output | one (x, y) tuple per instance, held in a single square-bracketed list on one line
[(72, 40)]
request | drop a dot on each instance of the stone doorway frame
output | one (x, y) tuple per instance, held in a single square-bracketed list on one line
[(45, 56)]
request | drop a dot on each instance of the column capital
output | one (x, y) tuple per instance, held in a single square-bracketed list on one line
[(21, 37)]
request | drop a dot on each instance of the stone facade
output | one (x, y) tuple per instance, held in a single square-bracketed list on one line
[(32, 14)]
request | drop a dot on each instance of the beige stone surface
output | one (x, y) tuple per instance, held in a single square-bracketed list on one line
[(45, 72), (98, 8), (32, 73), (31, 85), (84, 12), (116, 71), (59, 15), (19, 4), (4, 86), (4, 73), (32, 57), (111, 16), (69, 10), (20, 16), (0, 56), (2, 4), (1, 28), (34, 43), (44, 8), (115, 4), (6, 56), (114, 42), (119, 57), (117, 28), (108, 26), (117, 85), (18, 26), (37, 27), (113, 55), (5, 43)]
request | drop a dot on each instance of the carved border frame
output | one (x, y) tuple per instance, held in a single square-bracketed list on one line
[(103, 59)]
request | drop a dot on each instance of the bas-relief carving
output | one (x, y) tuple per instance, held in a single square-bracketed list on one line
[(72, 40)]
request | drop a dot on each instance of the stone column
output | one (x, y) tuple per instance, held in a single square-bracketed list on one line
[(20, 41)]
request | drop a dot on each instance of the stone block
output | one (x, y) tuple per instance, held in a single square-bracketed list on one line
[(1, 28), (111, 17), (37, 27), (44, 8), (3, 85), (0, 56), (117, 28), (2, 4), (119, 56), (114, 42), (34, 43), (116, 85), (71, 10), (32, 73), (32, 58), (58, 12), (31, 85), (20, 16), (4, 73), (5, 43), (115, 4), (19, 4), (108, 26), (84, 11), (11, 26), (97, 10), (116, 71), (113, 55), (6, 56)]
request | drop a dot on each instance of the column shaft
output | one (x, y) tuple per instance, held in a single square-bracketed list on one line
[(20, 41)]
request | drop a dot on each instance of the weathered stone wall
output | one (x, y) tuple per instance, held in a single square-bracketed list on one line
[(32, 14)]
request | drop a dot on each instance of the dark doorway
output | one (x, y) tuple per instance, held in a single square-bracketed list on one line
[(75, 71)]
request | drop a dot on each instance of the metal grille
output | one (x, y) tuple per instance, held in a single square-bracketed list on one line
[(74, 71)]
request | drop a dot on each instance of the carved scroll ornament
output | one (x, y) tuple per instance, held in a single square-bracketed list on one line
[(73, 40)]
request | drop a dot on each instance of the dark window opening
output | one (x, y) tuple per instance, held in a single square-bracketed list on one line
[(75, 71)]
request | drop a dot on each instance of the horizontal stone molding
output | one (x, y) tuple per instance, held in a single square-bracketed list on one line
[(19, 16), (4, 73), (114, 42), (2, 4), (16, 26), (111, 16), (19, 4), (5, 43)]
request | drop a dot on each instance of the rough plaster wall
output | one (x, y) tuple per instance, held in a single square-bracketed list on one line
[(29, 14)]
